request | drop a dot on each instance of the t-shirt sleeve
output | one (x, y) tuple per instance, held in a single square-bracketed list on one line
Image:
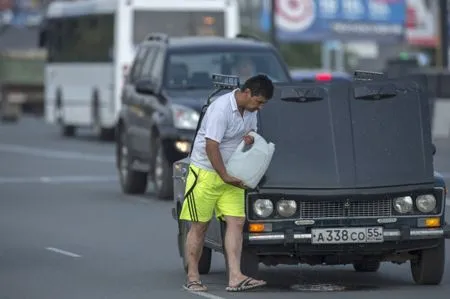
[(216, 124)]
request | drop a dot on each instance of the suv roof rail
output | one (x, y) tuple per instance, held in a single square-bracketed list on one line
[(157, 36), (248, 36)]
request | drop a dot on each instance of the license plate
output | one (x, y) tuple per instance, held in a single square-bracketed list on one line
[(347, 235)]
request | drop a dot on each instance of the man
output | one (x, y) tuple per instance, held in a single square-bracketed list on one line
[(209, 188)]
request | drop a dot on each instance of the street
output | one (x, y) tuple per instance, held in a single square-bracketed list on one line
[(67, 231)]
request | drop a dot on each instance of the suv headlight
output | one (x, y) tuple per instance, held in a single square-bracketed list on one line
[(286, 208), (263, 207), (184, 117), (403, 204), (426, 203)]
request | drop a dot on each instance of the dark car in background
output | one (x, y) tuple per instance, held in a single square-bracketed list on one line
[(165, 90)]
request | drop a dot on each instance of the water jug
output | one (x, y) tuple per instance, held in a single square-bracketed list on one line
[(250, 163)]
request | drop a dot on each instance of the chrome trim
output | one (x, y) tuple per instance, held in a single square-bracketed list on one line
[(389, 235)]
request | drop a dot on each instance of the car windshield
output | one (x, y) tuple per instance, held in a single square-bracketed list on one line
[(194, 70)]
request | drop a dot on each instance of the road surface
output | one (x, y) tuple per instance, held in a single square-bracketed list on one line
[(66, 231)]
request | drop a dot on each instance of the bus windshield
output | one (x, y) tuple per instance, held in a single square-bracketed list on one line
[(194, 70), (182, 23)]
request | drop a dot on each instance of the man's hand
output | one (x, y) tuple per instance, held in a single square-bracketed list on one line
[(248, 139), (233, 181)]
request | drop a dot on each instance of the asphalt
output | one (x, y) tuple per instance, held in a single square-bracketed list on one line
[(67, 231)]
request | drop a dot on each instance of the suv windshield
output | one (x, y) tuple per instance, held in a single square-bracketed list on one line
[(194, 70)]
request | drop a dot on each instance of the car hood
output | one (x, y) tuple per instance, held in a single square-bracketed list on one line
[(194, 99), (340, 135)]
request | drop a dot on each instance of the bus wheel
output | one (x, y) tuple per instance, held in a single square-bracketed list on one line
[(66, 130), (105, 134)]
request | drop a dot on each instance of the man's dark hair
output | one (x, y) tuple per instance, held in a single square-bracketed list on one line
[(259, 85)]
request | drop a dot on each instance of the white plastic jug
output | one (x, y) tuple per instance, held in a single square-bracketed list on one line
[(249, 165)]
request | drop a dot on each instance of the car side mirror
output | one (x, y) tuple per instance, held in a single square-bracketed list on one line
[(145, 86)]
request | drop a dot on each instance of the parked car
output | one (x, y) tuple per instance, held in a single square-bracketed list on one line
[(350, 181), (167, 85)]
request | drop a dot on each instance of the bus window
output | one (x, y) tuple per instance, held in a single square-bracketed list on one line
[(182, 23)]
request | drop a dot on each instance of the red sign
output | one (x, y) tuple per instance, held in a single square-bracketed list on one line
[(6, 4)]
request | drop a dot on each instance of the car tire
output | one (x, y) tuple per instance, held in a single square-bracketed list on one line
[(204, 265), (131, 181), (366, 266), (249, 263), (428, 267), (161, 171)]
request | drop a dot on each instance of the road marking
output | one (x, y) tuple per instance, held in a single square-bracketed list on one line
[(58, 179), (60, 251), (53, 154), (206, 295)]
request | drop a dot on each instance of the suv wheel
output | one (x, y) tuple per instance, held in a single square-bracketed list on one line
[(204, 265), (131, 181), (162, 171), (366, 266), (428, 267)]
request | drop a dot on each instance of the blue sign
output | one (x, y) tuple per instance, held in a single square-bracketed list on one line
[(346, 20)]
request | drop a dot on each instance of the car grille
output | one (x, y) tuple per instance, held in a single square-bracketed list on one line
[(345, 208)]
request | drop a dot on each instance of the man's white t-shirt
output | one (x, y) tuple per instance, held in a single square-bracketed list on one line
[(223, 123)]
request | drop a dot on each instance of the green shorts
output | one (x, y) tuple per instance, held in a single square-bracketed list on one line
[(207, 193)]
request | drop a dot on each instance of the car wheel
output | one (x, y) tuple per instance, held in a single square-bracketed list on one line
[(204, 265), (249, 263), (366, 266), (131, 181), (162, 171), (428, 267)]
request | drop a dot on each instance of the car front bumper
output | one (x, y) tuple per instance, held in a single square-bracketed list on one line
[(404, 234)]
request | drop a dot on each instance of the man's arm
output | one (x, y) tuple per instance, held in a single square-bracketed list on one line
[(215, 128), (214, 156)]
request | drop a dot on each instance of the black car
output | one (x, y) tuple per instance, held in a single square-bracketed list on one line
[(351, 181), (168, 84)]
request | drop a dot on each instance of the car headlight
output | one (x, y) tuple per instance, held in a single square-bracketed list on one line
[(286, 208), (403, 204), (426, 203), (263, 207), (184, 117)]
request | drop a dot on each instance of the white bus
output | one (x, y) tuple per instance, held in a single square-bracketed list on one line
[(90, 45)]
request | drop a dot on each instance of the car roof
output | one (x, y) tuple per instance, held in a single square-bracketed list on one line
[(212, 42)]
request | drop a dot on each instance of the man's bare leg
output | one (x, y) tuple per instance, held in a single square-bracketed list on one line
[(233, 248), (194, 247)]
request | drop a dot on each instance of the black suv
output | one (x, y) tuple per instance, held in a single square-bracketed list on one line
[(162, 97)]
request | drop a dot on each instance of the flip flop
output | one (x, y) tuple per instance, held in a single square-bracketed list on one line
[(246, 284), (195, 286)]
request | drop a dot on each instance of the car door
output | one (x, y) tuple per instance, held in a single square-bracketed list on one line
[(146, 103), (155, 105), (129, 99)]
